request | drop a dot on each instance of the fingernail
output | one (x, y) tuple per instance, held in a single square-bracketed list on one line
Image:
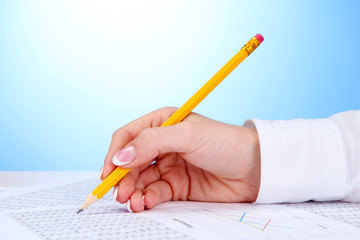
[(100, 173), (128, 206), (124, 156), (142, 200), (115, 193)]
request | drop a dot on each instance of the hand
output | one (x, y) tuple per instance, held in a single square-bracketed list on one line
[(198, 159)]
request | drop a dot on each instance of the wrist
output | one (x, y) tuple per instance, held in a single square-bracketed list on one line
[(256, 161), (250, 161)]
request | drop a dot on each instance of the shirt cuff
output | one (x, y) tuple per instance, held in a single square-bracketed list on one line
[(301, 160)]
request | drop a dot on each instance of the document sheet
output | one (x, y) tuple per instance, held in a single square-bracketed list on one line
[(49, 212), (343, 211)]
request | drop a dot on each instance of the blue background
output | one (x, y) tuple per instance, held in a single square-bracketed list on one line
[(72, 72)]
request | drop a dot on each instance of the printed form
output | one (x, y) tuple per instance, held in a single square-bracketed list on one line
[(49, 212)]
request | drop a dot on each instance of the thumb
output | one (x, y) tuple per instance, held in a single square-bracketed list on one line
[(152, 142)]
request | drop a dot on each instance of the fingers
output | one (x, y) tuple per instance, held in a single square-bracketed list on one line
[(135, 203), (152, 196), (143, 190), (157, 193), (119, 139), (135, 180), (124, 135), (152, 142), (126, 186), (148, 176)]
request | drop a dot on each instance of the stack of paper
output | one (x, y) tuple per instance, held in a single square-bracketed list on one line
[(49, 212)]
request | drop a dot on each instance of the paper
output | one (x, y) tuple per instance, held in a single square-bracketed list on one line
[(50, 213), (342, 211), (5, 189)]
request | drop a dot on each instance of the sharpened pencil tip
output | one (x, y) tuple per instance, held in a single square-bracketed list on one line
[(80, 210)]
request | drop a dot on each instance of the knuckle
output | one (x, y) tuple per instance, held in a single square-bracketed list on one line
[(116, 134), (165, 111), (168, 109), (148, 133), (159, 116), (108, 158)]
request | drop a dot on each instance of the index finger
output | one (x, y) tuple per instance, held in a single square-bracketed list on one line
[(126, 134)]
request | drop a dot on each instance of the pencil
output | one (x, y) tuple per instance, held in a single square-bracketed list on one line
[(179, 115)]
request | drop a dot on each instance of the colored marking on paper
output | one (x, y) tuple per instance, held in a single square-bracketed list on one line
[(242, 217), (266, 224)]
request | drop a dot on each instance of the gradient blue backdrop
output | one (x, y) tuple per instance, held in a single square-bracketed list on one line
[(72, 72)]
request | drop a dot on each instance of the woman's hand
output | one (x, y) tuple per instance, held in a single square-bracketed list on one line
[(198, 159)]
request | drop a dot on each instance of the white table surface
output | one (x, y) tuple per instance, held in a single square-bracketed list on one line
[(26, 178)]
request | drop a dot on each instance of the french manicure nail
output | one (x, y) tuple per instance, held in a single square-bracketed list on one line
[(115, 194), (100, 173), (128, 206), (124, 156)]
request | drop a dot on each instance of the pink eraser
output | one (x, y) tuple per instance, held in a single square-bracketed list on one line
[(259, 37)]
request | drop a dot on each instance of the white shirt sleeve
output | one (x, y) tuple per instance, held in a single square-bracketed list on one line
[(315, 159)]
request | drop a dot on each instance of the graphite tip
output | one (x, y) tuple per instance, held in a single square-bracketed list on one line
[(80, 210)]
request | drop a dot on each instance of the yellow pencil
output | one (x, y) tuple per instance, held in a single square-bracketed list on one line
[(179, 115)]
